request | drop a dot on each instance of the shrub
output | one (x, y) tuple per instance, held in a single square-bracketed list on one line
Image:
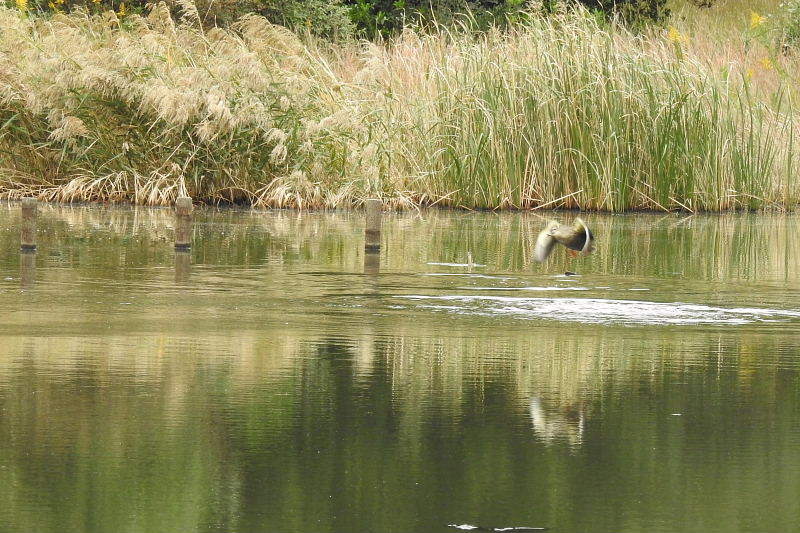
[(632, 12), (327, 18), (386, 17), (786, 23), (369, 18)]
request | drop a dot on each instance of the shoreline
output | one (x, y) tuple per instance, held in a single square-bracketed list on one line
[(359, 208)]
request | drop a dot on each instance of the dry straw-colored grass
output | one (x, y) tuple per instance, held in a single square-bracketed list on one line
[(557, 111)]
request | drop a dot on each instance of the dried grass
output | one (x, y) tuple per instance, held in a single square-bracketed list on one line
[(557, 112)]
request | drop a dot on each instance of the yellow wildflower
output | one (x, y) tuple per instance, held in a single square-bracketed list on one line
[(748, 74), (122, 11), (22, 5), (766, 63), (756, 20), (96, 1), (675, 36)]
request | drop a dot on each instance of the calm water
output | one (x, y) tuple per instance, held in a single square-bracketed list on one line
[(268, 382)]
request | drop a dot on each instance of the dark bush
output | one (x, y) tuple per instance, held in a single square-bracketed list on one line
[(384, 17), (374, 17), (370, 18), (631, 11)]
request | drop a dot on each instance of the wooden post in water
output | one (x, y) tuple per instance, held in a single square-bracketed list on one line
[(28, 234), (372, 233), (183, 266), (372, 263), (183, 223), (27, 268)]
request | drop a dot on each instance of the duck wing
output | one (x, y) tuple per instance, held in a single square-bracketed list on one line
[(545, 243), (588, 243)]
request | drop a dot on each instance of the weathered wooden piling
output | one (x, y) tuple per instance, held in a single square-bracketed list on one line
[(372, 263), (372, 233), (183, 266), (183, 223), (28, 233), (27, 268)]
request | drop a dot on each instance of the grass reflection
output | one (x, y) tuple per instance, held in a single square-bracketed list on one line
[(281, 389)]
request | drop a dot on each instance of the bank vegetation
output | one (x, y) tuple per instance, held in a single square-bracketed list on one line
[(557, 109)]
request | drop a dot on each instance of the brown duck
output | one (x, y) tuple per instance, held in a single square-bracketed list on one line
[(576, 237)]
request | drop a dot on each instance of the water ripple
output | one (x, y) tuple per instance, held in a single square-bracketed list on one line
[(603, 311)]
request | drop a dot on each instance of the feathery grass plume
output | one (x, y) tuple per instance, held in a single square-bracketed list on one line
[(159, 18), (189, 13), (555, 111), (68, 129)]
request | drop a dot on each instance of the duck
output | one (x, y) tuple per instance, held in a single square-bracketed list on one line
[(576, 237)]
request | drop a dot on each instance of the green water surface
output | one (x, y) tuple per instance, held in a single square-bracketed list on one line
[(270, 381)]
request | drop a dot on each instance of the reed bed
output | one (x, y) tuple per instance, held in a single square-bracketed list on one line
[(557, 111)]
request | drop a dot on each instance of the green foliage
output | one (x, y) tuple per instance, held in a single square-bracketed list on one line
[(376, 17), (338, 19), (91, 6), (325, 18), (787, 22), (386, 17), (633, 12), (328, 18)]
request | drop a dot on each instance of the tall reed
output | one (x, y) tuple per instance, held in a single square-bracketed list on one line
[(557, 111)]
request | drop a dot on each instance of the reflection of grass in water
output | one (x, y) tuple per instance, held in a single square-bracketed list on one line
[(565, 364), (709, 248), (176, 431), (263, 422), (726, 248)]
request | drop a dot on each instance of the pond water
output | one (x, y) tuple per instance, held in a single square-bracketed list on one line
[(270, 381)]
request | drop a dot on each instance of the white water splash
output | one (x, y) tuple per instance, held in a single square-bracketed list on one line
[(466, 275), (603, 311), (534, 289), (457, 264), (470, 527)]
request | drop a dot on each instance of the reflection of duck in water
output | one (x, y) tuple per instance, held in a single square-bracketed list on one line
[(576, 237), (557, 424)]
